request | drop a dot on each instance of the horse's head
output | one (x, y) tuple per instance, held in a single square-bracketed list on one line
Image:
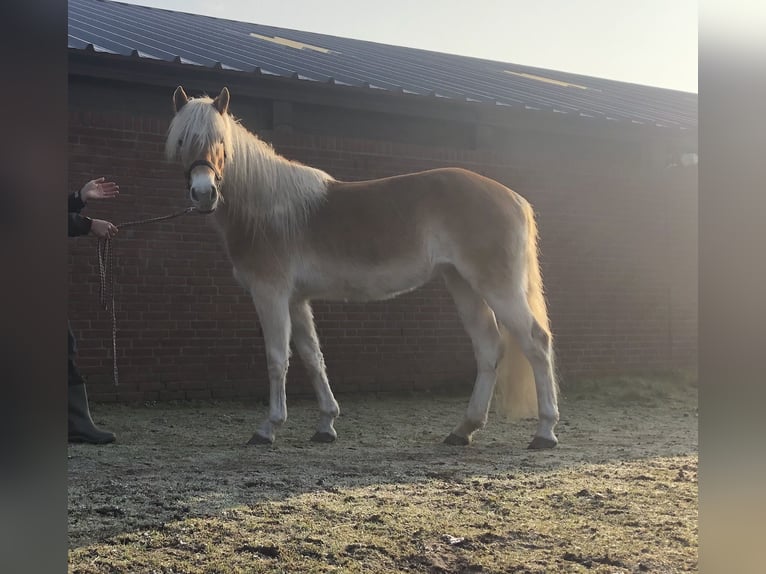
[(200, 138)]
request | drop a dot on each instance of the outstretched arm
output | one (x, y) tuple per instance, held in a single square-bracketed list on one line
[(99, 189)]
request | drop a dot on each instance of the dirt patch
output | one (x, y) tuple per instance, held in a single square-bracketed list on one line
[(181, 492)]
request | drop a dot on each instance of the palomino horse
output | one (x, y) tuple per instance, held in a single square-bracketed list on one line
[(294, 233)]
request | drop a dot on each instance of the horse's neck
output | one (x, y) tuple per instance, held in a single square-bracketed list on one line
[(269, 190)]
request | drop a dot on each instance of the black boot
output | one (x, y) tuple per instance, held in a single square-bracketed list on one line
[(81, 427)]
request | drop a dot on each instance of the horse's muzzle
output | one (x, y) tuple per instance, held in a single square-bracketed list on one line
[(205, 201), (207, 193)]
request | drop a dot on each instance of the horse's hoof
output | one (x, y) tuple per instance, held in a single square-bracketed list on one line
[(539, 443), (258, 439), (457, 440), (323, 437)]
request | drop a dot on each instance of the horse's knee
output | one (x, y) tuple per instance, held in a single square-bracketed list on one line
[(489, 354), (277, 371), (277, 365)]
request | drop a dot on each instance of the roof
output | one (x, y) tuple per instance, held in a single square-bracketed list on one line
[(194, 40)]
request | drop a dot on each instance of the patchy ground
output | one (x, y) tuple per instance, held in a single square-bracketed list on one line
[(181, 493)]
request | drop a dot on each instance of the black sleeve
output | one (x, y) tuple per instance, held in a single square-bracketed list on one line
[(75, 203), (78, 224)]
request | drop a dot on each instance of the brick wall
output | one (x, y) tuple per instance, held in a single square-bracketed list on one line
[(618, 253)]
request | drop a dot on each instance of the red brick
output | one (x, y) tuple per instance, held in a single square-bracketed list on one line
[(618, 251)]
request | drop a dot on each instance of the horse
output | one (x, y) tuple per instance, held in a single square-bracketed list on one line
[(294, 234)]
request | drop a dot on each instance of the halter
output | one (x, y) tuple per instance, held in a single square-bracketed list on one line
[(218, 176)]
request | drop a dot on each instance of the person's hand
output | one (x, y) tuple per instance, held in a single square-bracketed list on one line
[(103, 229), (99, 189)]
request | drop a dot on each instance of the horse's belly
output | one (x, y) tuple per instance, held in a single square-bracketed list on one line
[(352, 283)]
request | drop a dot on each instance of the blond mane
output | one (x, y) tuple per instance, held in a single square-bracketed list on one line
[(260, 187)]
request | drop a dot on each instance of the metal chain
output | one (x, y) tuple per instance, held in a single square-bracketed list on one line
[(106, 272)]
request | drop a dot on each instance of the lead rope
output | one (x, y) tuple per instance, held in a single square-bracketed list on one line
[(106, 271)]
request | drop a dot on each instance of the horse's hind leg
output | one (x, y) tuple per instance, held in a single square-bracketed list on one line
[(307, 345), (514, 312), (480, 324)]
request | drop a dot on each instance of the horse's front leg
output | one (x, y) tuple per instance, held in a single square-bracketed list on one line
[(274, 314), (307, 344)]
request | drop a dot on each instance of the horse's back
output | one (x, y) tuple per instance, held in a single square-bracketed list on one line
[(441, 183), (392, 215)]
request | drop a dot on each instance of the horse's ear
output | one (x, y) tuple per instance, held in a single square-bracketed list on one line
[(221, 103), (180, 99)]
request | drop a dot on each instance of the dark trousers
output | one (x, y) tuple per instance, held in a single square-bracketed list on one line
[(73, 373)]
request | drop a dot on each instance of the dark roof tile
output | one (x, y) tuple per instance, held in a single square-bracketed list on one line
[(142, 32)]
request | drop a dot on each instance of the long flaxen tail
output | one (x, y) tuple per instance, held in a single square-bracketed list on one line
[(515, 394)]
